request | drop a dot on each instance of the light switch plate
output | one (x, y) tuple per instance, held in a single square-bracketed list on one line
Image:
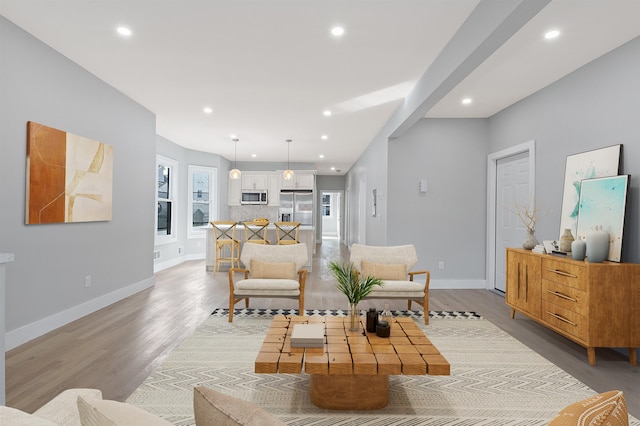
[(423, 185)]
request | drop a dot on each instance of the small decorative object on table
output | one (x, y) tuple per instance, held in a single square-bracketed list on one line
[(386, 316), (578, 249), (372, 320), (383, 329), (597, 245), (565, 240), (539, 249), (529, 216), (354, 286)]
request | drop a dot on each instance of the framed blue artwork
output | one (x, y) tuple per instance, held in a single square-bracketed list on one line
[(597, 163), (603, 202)]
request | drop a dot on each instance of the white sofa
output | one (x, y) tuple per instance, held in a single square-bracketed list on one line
[(61, 410), (392, 264), (85, 407)]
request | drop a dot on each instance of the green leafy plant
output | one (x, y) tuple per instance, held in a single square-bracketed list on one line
[(353, 285)]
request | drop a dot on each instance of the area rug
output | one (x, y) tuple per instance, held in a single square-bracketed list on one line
[(495, 380)]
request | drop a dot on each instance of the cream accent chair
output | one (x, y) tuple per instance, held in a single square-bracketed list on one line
[(271, 271), (392, 264)]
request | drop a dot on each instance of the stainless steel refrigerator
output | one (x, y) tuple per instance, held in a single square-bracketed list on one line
[(296, 206)]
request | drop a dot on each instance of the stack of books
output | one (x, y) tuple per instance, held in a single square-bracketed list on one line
[(307, 336), (539, 249)]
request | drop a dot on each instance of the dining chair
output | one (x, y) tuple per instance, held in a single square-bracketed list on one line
[(256, 231), (225, 234), (287, 232)]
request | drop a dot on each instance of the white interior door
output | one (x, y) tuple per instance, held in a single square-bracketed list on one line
[(512, 186)]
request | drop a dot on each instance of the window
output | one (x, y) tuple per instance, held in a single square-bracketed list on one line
[(201, 199), (326, 204), (167, 178)]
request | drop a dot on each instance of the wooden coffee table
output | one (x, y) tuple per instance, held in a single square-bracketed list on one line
[(351, 371)]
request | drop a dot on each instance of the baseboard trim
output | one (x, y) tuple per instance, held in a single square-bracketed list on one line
[(161, 266), (19, 336), (456, 284)]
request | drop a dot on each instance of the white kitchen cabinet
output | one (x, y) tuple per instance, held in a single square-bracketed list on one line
[(273, 189), (254, 180), (301, 180), (234, 193)]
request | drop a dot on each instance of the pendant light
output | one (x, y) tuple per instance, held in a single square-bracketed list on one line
[(288, 174), (235, 173)]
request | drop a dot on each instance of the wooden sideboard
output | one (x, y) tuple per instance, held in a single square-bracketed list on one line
[(593, 304)]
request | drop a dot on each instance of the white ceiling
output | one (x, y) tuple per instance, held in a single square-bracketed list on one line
[(269, 68)]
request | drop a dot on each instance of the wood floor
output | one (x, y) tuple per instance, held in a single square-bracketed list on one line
[(116, 348)]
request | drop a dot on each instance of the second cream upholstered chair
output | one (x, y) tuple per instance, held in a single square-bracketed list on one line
[(272, 271), (392, 264)]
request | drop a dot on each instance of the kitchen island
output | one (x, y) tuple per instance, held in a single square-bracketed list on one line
[(307, 235)]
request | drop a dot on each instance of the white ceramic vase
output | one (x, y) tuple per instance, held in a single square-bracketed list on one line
[(530, 242), (578, 249), (597, 245)]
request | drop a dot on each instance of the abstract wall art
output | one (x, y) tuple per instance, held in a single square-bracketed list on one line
[(586, 165), (69, 177), (603, 203)]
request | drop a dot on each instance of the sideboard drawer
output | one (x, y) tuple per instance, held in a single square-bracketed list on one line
[(563, 272), (564, 319), (568, 297)]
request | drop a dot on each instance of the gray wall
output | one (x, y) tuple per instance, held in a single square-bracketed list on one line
[(369, 172), (46, 283), (447, 223), (594, 107)]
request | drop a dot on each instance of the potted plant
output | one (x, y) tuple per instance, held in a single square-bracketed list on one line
[(354, 286)]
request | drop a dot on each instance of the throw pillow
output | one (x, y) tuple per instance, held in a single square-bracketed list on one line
[(102, 412), (607, 408), (260, 269), (393, 272), (215, 408)]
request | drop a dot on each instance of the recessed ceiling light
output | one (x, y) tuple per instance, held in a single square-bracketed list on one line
[(333, 168), (466, 101), (253, 155), (124, 31), (232, 136), (207, 110), (324, 137), (549, 35), (337, 31), (327, 113), (321, 156)]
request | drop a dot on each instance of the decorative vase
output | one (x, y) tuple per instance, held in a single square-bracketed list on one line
[(578, 249), (530, 242), (565, 240), (386, 316), (597, 245), (354, 317), (372, 320)]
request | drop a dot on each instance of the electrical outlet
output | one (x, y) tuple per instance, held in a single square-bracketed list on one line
[(87, 281), (441, 265)]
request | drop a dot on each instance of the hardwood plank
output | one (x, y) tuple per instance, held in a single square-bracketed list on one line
[(115, 349)]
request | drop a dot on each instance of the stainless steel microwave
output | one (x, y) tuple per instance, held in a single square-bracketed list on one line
[(254, 197)]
